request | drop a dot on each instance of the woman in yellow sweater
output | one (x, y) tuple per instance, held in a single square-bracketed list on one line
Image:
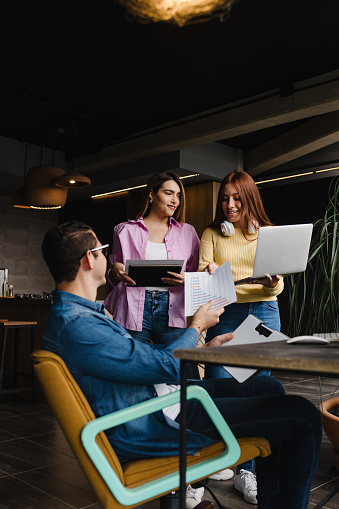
[(233, 236)]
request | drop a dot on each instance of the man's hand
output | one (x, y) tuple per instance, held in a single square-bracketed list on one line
[(206, 317), (220, 340)]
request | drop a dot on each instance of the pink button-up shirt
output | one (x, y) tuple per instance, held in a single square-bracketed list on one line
[(126, 303)]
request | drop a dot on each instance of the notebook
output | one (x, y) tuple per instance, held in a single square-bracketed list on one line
[(251, 330), (281, 250)]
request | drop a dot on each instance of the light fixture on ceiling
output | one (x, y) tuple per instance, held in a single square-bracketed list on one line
[(40, 191), (110, 193), (72, 179), (285, 177), (46, 186), (179, 12), (296, 175)]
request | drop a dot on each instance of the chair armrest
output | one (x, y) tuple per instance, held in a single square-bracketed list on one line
[(170, 482)]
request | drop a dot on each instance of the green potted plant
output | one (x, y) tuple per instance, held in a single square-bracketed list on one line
[(314, 294)]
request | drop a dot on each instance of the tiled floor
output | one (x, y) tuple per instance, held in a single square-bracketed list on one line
[(38, 470)]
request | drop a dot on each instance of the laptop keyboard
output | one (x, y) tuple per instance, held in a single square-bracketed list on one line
[(331, 336)]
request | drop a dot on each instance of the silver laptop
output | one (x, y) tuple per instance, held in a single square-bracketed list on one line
[(281, 250)]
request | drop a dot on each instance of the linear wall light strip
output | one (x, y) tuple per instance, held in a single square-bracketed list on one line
[(102, 195), (297, 175), (327, 169), (284, 178), (118, 191)]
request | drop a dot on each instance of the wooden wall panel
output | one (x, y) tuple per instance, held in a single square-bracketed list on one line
[(201, 200)]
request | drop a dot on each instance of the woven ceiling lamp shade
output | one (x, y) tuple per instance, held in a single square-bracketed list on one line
[(40, 191)]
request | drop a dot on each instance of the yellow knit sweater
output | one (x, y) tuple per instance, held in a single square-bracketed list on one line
[(215, 247)]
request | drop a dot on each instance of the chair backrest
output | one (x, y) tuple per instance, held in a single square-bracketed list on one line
[(73, 412)]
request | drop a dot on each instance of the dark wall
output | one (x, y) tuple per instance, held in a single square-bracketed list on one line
[(303, 202), (102, 214)]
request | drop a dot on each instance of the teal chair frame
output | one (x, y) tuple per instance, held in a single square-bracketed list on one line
[(170, 482)]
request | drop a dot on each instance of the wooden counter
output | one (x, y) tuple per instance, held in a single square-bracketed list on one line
[(25, 310)]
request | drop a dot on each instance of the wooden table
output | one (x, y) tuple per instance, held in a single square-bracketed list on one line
[(317, 359)]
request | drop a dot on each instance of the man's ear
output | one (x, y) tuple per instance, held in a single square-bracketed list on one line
[(88, 260)]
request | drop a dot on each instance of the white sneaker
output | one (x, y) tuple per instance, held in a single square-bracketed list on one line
[(246, 482), (193, 496), (223, 475)]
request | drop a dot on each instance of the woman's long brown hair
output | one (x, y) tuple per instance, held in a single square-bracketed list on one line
[(154, 184)]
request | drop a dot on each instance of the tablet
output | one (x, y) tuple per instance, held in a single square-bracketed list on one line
[(150, 272)]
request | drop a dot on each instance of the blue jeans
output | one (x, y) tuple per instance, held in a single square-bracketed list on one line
[(155, 325), (155, 320), (291, 424), (231, 318)]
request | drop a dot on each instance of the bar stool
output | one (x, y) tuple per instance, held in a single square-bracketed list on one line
[(5, 326)]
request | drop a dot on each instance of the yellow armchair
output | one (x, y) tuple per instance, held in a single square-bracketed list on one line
[(137, 481)]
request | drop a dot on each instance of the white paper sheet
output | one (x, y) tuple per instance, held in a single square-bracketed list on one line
[(249, 332), (201, 287)]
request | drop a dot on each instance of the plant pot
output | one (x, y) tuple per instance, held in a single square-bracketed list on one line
[(331, 426)]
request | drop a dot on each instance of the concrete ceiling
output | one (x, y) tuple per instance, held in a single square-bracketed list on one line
[(118, 97)]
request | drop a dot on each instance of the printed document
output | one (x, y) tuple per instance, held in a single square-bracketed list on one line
[(201, 287)]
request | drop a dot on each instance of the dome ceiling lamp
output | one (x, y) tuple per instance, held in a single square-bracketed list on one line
[(40, 191), (45, 186), (72, 179), (179, 12)]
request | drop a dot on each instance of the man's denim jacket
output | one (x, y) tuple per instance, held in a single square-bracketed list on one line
[(115, 371)]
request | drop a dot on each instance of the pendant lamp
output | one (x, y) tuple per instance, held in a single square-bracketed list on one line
[(40, 191), (72, 179), (179, 12)]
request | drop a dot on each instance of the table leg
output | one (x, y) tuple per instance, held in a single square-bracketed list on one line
[(3, 353), (327, 498), (183, 426), (34, 387)]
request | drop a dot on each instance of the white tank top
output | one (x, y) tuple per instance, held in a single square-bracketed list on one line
[(156, 251)]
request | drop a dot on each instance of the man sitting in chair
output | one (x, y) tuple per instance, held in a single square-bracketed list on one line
[(115, 371)]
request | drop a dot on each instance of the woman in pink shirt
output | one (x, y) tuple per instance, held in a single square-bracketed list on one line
[(158, 232)]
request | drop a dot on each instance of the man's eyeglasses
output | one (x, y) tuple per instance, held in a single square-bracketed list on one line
[(104, 250)]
